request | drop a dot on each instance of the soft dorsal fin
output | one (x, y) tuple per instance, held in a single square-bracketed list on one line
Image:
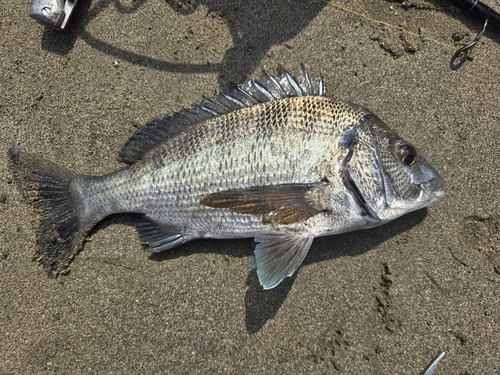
[(247, 94)]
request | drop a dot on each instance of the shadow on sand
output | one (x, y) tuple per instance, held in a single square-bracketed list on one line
[(255, 26), (262, 305)]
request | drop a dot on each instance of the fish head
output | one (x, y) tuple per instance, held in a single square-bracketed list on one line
[(386, 176)]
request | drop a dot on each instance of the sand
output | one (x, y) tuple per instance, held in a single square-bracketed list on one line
[(379, 301)]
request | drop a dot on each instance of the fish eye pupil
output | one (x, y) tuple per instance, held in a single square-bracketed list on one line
[(409, 159), (407, 155)]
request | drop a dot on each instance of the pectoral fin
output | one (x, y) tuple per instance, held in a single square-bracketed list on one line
[(288, 203), (279, 255)]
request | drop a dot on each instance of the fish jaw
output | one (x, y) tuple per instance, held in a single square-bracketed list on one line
[(433, 186), (401, 208)]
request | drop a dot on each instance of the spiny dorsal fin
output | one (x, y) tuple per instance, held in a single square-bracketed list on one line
[(247, 94)]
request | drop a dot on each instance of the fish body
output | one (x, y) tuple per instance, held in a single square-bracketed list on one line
[(274, 159)]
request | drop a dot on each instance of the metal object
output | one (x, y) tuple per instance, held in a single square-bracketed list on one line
[(52, 13), (467, 49), (430, 369)]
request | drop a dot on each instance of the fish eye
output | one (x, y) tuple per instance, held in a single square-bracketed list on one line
[(407, 154)]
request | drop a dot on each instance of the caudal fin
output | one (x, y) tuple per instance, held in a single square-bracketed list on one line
[(53, 191)]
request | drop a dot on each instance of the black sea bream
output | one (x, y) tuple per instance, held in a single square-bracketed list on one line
[(274, 159)]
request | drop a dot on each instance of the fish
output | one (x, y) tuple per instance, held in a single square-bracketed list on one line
[(273, 158)]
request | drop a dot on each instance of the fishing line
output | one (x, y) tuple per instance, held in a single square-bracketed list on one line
[(408, 32)]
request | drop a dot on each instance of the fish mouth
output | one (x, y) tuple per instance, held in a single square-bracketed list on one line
[(433, 186), (363, 207), (431, 189), (434, 197)]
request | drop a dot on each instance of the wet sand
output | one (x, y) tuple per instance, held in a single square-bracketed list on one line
[(379, 301)]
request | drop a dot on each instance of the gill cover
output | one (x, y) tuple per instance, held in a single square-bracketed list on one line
[(362, 173)]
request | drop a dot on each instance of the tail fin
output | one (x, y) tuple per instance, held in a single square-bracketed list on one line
[(53, 191)]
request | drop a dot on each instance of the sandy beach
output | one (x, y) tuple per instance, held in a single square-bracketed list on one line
[(380, 301)]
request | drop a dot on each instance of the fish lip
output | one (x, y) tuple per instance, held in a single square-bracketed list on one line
[(434, 196), (363, 206), (431, 189), (433, 186)]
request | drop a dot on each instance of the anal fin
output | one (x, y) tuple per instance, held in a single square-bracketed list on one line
[(158, 237), (279, 255)]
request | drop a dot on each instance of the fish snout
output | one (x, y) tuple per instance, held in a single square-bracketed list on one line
[(433, 186)]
